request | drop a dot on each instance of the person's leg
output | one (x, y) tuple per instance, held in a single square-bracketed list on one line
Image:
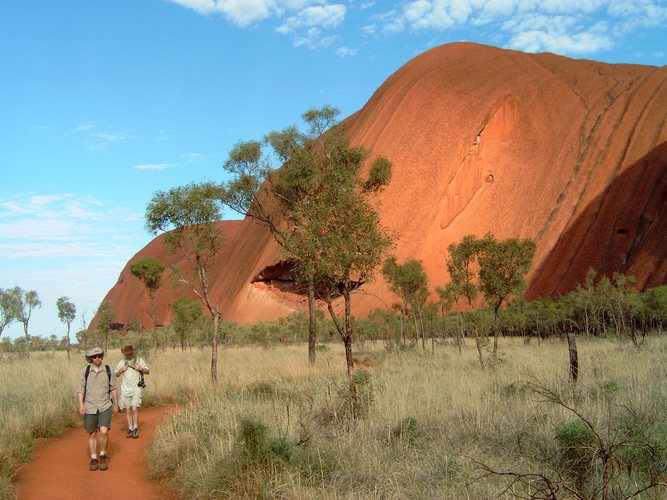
[(92, 444), (104, 441), (103, 436), (130, 419), (90, 424)]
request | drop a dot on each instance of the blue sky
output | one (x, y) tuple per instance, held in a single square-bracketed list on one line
[(102, 103)]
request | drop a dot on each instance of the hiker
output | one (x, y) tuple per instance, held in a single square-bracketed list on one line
[(98, 399), (132, 370)]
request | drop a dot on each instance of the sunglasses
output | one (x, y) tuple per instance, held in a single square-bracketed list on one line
[(97, 356)]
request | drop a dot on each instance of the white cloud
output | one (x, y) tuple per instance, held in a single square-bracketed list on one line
[(192, 157), (346, 51), (83, 128), (313, 39), (155, 166), (563, 26), (324, 16)]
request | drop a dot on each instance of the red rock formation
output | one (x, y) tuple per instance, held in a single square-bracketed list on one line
[(570, 153)]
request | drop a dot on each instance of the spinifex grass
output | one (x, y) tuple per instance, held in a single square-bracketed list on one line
[(433, 427)]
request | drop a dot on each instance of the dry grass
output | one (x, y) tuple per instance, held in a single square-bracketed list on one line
[(429, 418)]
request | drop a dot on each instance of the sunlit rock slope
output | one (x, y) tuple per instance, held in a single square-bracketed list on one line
[(571, 153)]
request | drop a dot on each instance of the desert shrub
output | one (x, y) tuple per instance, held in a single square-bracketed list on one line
[(576, 450), (407, 431)]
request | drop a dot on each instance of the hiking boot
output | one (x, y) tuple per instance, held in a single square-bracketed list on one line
[(130, 433), (135, 433), (93, 464), (103, 462)]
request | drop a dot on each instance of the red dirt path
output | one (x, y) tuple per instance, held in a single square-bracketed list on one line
[(60, 468)]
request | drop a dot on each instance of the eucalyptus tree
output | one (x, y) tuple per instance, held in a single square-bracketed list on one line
[(340, 241), (287, 200), (187, 216), (149, 271), (462, 267), (502, 267), (410, 282), (66, 314), (7, 310), (23, 303), (106, 315)]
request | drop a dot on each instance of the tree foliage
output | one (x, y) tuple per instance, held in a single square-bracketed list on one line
[(7, 309), (190, 215), (66, 314)]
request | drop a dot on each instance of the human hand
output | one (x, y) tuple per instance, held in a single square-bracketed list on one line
[(115, 409), (82, 409)]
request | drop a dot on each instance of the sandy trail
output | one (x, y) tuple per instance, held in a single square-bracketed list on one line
[(60, 467)]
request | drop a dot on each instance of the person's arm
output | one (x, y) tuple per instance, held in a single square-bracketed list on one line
[(141, 367), (82, 408), (79, 393), (120, 368), (114, 395)]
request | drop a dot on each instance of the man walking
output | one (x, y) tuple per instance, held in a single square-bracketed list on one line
[(132, 369), (98, 398)]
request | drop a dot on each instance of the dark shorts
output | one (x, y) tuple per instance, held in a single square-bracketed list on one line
[(93, 421)]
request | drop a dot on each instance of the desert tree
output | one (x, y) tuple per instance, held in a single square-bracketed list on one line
[(341, 241), (188, 217), (66, 314), (24, 302), (106, 315), (7, 310), (462, 267), (502, 267), (149, 271), (410, 282), (285, 199), (187, 316)]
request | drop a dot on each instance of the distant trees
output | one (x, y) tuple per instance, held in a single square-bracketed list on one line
[(190, 214), (187, 314), (494, 268), (66, 314), (106, 315), (410, 282), (149, 271), (23, 303), (7, 310)]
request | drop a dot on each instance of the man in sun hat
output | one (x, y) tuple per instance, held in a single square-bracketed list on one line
[(131, 368), (98, 399)]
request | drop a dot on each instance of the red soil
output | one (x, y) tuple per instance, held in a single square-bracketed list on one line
[(60, 467)]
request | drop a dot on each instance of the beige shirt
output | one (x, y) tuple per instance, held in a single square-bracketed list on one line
[(98, 390)]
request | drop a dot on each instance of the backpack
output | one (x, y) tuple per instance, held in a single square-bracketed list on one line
[(85, 380)]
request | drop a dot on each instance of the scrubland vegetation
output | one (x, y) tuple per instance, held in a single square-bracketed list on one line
[(424, 425)]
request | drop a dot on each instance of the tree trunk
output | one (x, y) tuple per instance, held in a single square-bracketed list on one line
[(214, 347), (479, 347), (574, 357), (152, 297), (496, 330), (69, 343), (402, 327), (312, 324)]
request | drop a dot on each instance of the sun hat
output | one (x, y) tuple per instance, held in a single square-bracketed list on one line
[(92, 352), (128, 349)]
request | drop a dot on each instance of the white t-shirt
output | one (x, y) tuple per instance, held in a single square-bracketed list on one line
[(130, 377)]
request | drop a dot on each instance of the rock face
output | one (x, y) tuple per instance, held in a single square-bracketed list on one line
[(570, 153)]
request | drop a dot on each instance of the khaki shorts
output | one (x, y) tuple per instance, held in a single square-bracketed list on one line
[(132, 400), (93, 421)]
